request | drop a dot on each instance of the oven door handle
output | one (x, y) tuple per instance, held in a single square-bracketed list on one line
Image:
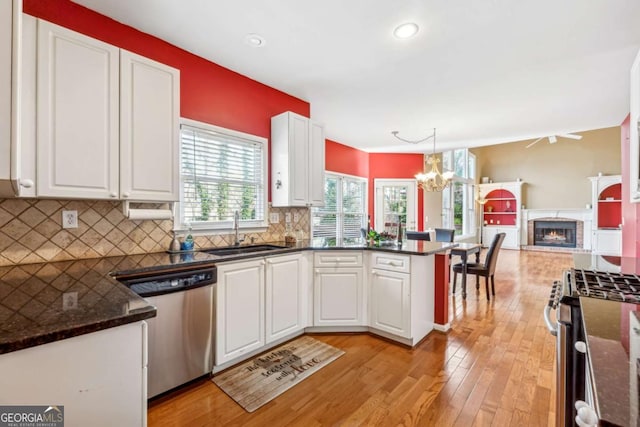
[(553, 327)]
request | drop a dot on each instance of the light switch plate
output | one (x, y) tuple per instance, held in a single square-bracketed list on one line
[(69, 301), (287, 217), (296, 217), (69, 219), (274, 217)]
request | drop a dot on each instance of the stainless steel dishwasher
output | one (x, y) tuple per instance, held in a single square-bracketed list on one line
[(181, 335)]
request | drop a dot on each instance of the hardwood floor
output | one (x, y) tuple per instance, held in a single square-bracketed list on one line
[(494, 368)]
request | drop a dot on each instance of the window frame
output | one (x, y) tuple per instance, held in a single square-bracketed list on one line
[(469, 215), (223, 227), (340, 203)]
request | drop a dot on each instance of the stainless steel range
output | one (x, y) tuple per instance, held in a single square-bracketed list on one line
[(595, 344)]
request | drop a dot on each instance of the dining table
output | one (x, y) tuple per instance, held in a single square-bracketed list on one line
[(463, 250)]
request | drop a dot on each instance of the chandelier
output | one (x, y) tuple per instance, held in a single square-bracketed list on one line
[(432, 180)]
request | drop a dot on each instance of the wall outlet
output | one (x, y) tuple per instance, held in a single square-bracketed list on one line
[(69, 219), (287, 217), (296, 217), (274, 217), (69, 301)]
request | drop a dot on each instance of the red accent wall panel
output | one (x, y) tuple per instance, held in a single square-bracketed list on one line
[(344, 159), (394, 165)]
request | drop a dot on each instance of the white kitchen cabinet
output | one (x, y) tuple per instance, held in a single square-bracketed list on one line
[(107, 120), (77, 115), (338, 289), (149, 129), (9, 89), (390, 302), (607, 242), (285, 305), (239, 305), (297, 161), (100, 378)]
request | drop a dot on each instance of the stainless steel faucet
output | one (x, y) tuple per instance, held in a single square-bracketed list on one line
[(236, 225)]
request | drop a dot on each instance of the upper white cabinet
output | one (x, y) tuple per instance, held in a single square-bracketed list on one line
[(107, 120), (149, 129), (297, 161), (10, 20), (77, 115), (634, 132)]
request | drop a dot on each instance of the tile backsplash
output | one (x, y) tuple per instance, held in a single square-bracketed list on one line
[(31, 231)]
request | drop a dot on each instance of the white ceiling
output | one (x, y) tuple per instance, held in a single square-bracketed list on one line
[(480, 71)]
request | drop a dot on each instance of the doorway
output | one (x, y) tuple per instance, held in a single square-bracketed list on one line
[(395, 203)]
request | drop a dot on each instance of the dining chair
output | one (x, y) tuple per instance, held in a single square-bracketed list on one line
[(445, 234), (486, 269), (418, 235)]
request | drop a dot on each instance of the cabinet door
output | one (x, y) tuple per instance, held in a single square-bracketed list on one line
[(284, 303), (338, 297), (316, 164), (82, 373), (511, 240), (390, 302), (488, 233), (77, 115), (608, 242), (149, 129), (298, 158), (239, 309)]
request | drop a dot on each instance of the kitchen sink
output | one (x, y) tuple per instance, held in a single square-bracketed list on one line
[(241, 250)]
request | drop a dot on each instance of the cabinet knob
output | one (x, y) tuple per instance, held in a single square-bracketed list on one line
[(113, 195), (26, 183), (125, 195), (262, 262), (337, 259), (373, 272), (317, 271)]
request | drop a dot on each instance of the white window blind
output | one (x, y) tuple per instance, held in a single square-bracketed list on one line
[(222, 172), (344, 210)]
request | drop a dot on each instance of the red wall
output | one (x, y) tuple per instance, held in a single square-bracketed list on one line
[(387, 165), (630, 211), (347, 160)]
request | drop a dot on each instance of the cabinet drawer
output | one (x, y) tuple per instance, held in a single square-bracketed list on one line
[(391, 262), (337, 259)]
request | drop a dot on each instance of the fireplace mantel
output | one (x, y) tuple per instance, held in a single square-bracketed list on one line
[(584, 215)]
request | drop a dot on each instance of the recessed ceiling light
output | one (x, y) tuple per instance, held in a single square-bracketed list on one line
[(406, 30), (255, 40)]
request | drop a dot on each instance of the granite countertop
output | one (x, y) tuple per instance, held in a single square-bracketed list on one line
[(42, 303), (408, 247)]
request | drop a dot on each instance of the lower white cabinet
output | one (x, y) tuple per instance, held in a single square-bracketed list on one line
[(258, 302), (338, 297), (239, 304), (510, 239), (607, 242), (285, 296), (100, 378), (390, 302)]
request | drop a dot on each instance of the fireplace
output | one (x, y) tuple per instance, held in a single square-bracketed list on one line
[(555, 233)]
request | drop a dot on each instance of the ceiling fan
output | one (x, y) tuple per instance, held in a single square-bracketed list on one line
[(554, 138)]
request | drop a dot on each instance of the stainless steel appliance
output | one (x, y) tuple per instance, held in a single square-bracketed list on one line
[(180, 336), (577, 392)]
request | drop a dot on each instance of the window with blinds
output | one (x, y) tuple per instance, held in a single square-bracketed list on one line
[(222, 172), (345, 208)]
